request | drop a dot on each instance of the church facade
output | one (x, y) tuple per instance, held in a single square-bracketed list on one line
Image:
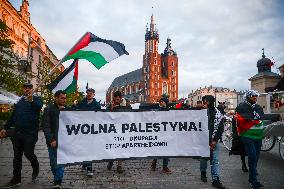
[(29, 45), (158, 75)]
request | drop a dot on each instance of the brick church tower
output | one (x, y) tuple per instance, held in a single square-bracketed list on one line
[(160, 71), (158, 75)]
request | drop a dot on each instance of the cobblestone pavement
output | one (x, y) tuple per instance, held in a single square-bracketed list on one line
[(137, 175)]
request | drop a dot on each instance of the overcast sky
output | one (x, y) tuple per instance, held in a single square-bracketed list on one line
[(218, 42)]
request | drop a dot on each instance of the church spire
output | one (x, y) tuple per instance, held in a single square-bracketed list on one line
[(152, 25)]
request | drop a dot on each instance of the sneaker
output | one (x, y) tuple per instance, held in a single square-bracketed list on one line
[(218, 184), (57, 184), (109, 165), (256, 185), (35, 172), (244, 168), (153, 166), (90, 173), (119, 169), (13, 182), (167, 170), (203, 176)]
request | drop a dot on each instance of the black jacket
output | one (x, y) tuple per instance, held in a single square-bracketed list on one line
[(215, 124), (50, 123), (83, 105), (25, 116)]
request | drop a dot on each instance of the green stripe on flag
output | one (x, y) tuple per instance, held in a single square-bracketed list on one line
[(72, 87), (95, 58)]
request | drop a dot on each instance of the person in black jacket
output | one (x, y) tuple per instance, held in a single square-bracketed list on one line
[(216, 128), (23, 128), (163, 106), (118, 105), (89, 104), (50, 124)]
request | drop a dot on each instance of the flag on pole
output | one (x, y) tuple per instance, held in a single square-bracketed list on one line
[(67, 80), (96, 50)]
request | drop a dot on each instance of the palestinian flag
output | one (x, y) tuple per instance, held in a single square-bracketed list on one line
[(248, 127), (67, 80), (96, 50)]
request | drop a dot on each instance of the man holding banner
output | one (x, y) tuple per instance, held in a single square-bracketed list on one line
[(90, 104), (163, 106), (50, 126), (216, 128), (118, 104)]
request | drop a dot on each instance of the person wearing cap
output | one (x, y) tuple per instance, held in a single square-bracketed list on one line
[(216, 128), (22, 128), (89, 103), (163, 106), (250, 127)]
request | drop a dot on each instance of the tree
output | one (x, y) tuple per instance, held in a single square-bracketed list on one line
[(12, 70), (44, 68)]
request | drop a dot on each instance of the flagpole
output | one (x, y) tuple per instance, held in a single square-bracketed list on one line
[(59, 63)]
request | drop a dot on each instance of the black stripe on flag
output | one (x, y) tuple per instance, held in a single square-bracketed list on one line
[(54, 83), (117, 46)]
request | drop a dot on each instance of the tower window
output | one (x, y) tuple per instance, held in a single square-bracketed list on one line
[(155, 62)]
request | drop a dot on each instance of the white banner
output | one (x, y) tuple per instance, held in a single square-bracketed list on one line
[(88, 135)]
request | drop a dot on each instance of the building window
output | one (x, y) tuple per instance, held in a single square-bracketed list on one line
[(156, 93), (32, 52), (173, 64), (173, 73), (173, 95), (39, 59), (155, 61)]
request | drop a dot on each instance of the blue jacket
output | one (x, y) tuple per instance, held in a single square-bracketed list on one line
[(83, 105), (25, 116)]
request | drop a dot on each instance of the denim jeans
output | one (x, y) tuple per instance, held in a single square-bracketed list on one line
[(165, 162), (252, 147), (214, 162), (57, 170)]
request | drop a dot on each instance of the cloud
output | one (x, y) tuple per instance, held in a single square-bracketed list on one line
[(218, 42)]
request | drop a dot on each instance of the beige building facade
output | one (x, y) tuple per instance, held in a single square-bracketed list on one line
[(221, 94), (29, 45)]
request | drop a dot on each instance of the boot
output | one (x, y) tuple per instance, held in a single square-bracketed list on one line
[(13, 182), (203, 176), (217, 184), (109, 165), (154, 165), (35, 172)]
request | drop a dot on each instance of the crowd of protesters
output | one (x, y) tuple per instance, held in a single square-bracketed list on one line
[(23, 126)]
